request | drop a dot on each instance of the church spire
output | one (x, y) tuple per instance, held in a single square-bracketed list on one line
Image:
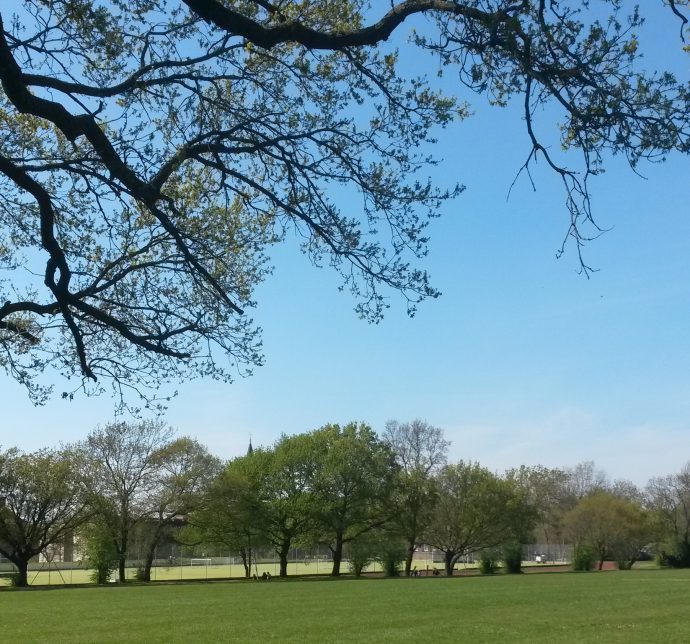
[(250, 449)]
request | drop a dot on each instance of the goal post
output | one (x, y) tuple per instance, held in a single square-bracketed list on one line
[(200, 562)]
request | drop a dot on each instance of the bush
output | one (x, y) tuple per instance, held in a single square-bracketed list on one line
[(584, 558), (488, 562), (360, 554), (512, 557), (677, 555), (101, 571), (100, 553), (14, 579), (624, 564), (391, 554)]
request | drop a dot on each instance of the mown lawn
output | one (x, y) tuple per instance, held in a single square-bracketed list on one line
[(51, 577), (636, 606)]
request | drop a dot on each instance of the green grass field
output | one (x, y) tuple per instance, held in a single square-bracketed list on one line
[(637, 606), (45, 577)]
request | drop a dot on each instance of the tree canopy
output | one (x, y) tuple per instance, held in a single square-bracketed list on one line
[(127, 469), (476, 510), (154, 150), (41, 502)]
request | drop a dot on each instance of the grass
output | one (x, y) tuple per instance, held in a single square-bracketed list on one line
[(45, 577), (636, 606)]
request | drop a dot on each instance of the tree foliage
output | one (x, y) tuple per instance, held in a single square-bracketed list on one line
[(185, 471), (233, 514), (669, 496), (476, 510), (288, 488), (271, 489), (125, 471), (153, 151), (420, 450), (352, 486), (41, 503), (547, 491), (609, 527)]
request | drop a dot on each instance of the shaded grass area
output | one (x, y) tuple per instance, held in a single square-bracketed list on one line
[(637, 606), (53, 577), (45, 576)]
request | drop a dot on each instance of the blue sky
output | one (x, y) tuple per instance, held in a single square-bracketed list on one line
[(521, 361)]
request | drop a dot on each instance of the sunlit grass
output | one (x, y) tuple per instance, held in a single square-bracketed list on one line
[(636, 606)]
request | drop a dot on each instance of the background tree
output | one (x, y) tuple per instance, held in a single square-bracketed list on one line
[(233, 514), (151, 156), (549, 493), (42, 502), (185, 470), (352, 486), (638, 529), (420, 450), (475, 510), (287, 491), (125, 471), (669, 496), (583, 480), (628, 491), (99, 552), (609, 527), (361, 552), (521, 516)]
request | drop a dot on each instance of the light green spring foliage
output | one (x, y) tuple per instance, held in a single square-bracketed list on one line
[(242, 146), (153, 151), (42, 501), (611, 527), (476, 510)]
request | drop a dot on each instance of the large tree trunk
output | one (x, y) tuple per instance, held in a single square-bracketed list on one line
[(449, 562), (283, 556), (121, 560), (337, 555), (122, 548), (602, 556), (408, 560), (246, 562), (22, 578), (150, 554), (148, 563)]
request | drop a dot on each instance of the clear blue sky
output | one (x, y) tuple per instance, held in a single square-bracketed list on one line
[(521, 361)]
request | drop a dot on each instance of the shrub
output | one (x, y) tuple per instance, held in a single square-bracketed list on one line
[(677, 555), (14, 579), (584, 557), (360, 555), (624, 564), (101, 571), (100, 553), (512, 557), (488, 562), (391, 554)]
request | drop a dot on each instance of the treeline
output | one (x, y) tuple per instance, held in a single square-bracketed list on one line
[(364, 496)]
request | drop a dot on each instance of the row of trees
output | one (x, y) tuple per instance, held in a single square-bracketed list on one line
[(361, 495), (125, 479)]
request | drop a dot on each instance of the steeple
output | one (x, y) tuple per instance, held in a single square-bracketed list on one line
[(250, 449)]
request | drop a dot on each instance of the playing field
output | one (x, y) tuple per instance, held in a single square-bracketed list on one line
[(53, 577), (637, 606)]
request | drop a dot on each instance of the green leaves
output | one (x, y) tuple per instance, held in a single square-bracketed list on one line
[(153, 151), (43, 500)]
